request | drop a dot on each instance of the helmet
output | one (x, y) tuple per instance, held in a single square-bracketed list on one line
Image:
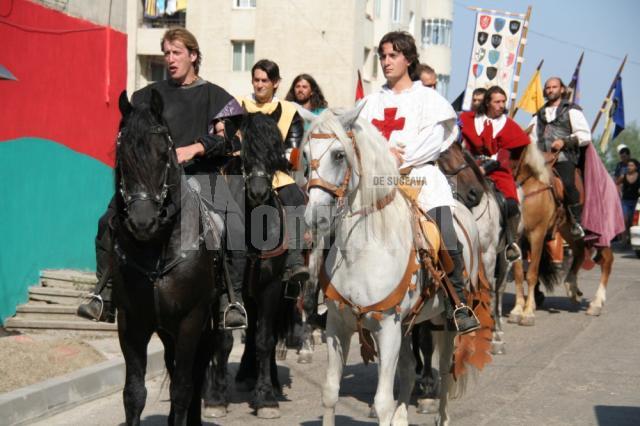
[(621, 147)]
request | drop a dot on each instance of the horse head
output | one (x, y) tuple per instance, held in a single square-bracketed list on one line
[(262, 155), (146, 166), (337, 146), (463, 174)]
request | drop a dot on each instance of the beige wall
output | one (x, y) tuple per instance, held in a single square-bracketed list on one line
[(325, 38)]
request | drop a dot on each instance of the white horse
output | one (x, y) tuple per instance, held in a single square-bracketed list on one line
[(468, 182), (352, 192)]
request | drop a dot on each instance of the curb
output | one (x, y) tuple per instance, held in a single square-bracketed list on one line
[(61, 393)]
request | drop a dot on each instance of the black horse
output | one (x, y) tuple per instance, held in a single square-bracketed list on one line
[(165, 279), (269, 313)]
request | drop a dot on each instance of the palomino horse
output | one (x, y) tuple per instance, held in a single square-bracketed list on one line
[(352, 192), (540, 213), (165, 279)]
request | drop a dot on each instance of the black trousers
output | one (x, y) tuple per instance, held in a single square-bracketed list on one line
[(566, 170), (444, 219)]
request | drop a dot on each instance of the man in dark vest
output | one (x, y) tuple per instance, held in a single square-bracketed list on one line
[(560, 126), (202, 119)]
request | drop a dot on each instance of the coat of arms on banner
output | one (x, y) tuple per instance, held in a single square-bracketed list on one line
[(496, 41)]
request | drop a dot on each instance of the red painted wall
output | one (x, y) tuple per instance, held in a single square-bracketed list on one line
[(70, 73)]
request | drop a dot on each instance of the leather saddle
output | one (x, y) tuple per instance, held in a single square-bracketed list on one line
[(556, 183)]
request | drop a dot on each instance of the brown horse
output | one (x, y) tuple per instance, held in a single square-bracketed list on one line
[(540, 215)]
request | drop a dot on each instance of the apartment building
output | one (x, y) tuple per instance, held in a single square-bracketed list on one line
[(329, 39)]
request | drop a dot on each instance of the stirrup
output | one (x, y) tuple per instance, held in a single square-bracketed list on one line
[(516, 248), (293, 292), (241, 308), (468, 308), (91, 297), (577, 231)]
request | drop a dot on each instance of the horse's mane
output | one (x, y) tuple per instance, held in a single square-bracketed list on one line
[(376, 168), (536, 162), (262, 143), (135, 152)]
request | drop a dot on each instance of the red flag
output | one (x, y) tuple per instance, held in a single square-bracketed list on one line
[(359, 88)]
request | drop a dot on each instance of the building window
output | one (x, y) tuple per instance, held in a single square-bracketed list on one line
[(376, 8), (396, 11), (412, 23), (153, 68), (163, 15), (245, 4), (242, 55), (443, 84), (436, 32)]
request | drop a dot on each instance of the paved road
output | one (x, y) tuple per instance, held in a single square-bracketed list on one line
[(569, 369)]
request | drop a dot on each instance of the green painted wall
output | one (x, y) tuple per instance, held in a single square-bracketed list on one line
[(50, 200)]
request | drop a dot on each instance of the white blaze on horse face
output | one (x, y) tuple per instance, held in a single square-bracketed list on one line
[(332, 165)]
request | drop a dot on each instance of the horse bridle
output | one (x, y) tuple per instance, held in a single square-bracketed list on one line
[(158, 199), (338, 192)]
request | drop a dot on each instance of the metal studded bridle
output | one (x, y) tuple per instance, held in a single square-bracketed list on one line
[(158, 199)]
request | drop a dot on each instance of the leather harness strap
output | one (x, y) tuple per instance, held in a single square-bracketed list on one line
[(377, 309)]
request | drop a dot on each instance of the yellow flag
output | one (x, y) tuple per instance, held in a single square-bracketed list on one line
[(532, 99), (608, 127)]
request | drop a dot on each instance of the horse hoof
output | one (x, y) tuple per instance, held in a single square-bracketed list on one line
[(305, 358), (498, 348), (427, 406), (528, 321), (514, 318), (594, 311), (214, 412), (268, 413)]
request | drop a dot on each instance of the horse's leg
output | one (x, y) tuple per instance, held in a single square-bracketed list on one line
[(406, 381), (515, 316), (169, 361), (415, 345), (247, 373), (498, 346), (536, 239), (448, 386), (201, 361), (595, 307), (571, 280), (338, 341), (429, 380), (134, 335), (182, 388), (388, 340), (264, 401), (215, 394)]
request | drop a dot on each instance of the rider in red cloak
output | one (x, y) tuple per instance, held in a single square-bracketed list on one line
[(494, 139)]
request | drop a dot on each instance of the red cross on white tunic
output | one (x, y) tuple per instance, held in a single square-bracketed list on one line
[(390, 123)]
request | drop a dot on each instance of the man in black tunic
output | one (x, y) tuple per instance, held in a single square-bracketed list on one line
[(202, 120)]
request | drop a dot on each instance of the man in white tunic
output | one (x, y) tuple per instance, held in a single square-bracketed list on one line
[(419, 124)]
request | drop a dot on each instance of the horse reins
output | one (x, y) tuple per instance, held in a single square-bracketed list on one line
[(340, 192)]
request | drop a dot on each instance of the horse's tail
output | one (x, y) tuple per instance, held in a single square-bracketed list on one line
[(548, 274)]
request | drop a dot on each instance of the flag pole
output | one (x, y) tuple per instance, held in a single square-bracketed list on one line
[(516, 79), (538, 68), (572, 96), (604, 103)]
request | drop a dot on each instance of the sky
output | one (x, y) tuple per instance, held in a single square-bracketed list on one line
[(559, 31)]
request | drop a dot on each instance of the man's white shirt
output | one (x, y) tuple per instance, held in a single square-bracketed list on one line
[(423, 123), (579, 126)]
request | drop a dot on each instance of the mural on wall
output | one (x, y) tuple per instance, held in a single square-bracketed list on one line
[(58, 123)]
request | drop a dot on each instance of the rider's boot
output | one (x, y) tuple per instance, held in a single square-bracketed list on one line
[(296, 273), (464, 318), (101, 307), (512, 219), (575, 211), (234, 315)]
